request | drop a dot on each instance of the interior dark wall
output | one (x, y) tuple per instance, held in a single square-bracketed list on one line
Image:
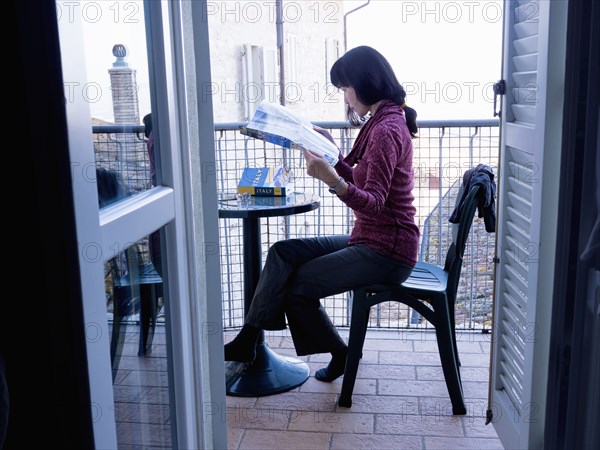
[(42, 333), (573, 402)]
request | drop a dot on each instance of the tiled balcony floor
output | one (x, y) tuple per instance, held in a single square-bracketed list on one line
[(400, 400)]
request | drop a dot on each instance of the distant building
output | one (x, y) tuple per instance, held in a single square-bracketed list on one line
[(245, 60)]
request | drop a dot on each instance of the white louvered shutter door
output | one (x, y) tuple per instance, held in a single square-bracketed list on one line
[(291, 56), (526, 231), (332, 53), (260, 78), (271, 75)]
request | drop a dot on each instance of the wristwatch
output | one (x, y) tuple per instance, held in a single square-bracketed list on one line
[(337, 187)]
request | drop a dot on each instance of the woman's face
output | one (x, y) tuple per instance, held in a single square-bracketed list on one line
[(351, 100)]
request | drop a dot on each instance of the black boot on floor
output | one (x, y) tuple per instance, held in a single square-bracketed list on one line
[(243, 346), (336, 367)]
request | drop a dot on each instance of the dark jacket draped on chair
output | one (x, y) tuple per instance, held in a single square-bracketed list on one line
[(482, 176)]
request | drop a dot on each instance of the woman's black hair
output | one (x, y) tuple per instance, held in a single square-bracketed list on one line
[(371, 76), (147, 120)]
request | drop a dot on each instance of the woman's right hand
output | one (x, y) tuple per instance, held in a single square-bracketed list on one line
[(324, 132), (318, 167)]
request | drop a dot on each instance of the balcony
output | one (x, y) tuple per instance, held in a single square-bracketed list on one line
[(400, 398), (444, 150)]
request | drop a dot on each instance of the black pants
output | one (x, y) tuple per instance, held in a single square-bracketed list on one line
[(300, 272)]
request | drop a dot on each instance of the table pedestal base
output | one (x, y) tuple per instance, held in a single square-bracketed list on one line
[(269, 374)]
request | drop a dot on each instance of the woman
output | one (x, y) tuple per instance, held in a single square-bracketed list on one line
[(375, 180)]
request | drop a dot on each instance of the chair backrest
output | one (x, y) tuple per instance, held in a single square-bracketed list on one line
[(454, 257)]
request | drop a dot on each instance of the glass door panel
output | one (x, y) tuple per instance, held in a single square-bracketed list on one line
[(105, 51)]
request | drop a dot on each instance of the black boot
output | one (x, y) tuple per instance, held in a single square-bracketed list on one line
[(243, 346), (336, 366)]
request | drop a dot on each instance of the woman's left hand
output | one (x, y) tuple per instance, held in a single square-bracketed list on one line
[(318, 167), (325, 133)]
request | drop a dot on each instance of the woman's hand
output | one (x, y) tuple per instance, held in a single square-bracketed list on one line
[(325, 133), (318, 167)]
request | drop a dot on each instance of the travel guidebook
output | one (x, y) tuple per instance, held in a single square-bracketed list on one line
[(278, 125), (265, 181)]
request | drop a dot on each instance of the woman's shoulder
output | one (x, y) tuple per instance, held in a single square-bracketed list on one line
[(394, 123), (388, 133)]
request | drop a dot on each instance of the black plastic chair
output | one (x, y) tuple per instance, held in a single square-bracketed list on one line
[(430, 290), (134, 291)]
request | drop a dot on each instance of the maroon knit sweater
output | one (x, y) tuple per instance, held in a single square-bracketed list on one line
[(379, 172)]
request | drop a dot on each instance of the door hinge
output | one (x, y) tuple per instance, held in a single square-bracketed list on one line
[(499, 89)]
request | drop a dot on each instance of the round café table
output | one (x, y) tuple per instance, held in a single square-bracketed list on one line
[(270, 373)]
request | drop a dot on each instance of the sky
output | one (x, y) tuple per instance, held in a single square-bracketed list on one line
[(446, 53), (106, 23)]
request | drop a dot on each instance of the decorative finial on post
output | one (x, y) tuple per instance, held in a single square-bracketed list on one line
[(120, 52)]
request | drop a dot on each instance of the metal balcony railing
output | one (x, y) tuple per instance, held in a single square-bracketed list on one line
[(442, 153), (122, 149)]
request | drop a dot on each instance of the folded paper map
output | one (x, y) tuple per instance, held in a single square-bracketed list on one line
[(278, 125)]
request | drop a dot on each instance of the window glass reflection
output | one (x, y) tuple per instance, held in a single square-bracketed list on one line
[(135, 301), (123, 162)]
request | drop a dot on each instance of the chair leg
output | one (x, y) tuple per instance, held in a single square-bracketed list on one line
[(364, 330), (148, 312), (355, 345), (446, 347), (120, 295), (116, 344), (453, 328)]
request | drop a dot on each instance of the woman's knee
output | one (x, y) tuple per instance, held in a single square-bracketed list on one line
[(286, 249), (278, 250), (278, 246)]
